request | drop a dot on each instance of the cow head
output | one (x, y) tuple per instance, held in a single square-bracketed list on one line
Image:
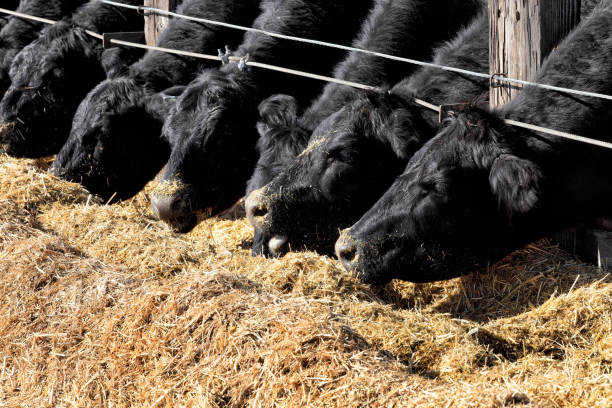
[(49, 79), (352, 157), (453, 209), (213, 141), (281, 139), (114, 146)]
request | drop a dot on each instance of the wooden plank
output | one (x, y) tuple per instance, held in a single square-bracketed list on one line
[(155, 23), (522, 34), (593, 245)]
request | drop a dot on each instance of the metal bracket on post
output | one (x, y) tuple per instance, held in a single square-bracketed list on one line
[(136, 37), (494, 82)]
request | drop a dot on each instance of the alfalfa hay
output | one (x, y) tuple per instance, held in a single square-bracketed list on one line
[(105, 306)]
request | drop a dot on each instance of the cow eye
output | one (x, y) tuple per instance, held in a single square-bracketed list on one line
[(340, 155), (429, 185)]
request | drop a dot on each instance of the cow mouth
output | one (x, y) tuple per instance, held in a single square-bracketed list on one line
[(20, 140), (278, 245), (183, 223)]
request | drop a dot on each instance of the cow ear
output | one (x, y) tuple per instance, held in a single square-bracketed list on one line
[(404, 136), (159, 105), (277, 111), (515, 182)]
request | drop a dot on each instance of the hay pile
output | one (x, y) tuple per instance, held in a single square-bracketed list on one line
[(105, 306)]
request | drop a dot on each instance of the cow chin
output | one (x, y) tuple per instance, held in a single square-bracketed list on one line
[(379, 261), (20, 141)]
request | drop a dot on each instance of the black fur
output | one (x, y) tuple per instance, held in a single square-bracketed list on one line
[(9, 5), (357, 152), (18, 32), (114, 145), (53, 74), (481, 188), (406, 28), (212, 128)]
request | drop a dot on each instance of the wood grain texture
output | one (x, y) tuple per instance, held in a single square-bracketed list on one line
[(155, 24), (522, 33)]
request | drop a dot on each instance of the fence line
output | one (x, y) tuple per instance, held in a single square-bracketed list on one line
[(361, 50), (244, 61)]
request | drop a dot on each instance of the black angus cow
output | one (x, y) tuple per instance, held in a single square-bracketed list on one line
[(482, 188), (405, 28), (19, 32), (114, 144), (50, 76), (212, 127), (357, 152)]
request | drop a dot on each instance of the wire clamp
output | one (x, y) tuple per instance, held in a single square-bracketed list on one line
[(242, 64), (225, 56)]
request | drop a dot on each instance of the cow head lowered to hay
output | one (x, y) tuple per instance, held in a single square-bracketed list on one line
[(213, 128), (481, 188)]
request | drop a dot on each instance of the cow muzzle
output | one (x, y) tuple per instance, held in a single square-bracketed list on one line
[(174, 210), (8, 132), (347, 251), (256, 209)]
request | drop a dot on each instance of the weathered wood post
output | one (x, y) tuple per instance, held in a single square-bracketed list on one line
[(521, 34), (155, 23)]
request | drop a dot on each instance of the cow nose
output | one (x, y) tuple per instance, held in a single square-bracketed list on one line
[(346, 251), (174, 211), (7, 130), (256, 209)]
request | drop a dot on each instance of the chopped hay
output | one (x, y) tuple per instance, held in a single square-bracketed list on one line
[(105, 306)]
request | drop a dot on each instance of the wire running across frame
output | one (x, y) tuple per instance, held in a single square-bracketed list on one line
[(289, 71)]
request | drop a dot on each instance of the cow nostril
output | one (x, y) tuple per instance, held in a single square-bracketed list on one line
[(347, 254), (346, 251), (167, 208), (256, 210), (260, 211)]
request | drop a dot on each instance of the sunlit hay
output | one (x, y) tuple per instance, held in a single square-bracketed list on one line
[(105, 306), (576, 320), (168, 188), (24, 185)]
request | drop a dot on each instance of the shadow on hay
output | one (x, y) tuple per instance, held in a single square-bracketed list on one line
[(520, 282)]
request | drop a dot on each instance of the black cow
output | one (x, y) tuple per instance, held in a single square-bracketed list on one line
[(212, 127), (357, 152), (53, 74), (482, 188), (114, 145), (19, 32), (406, 28)]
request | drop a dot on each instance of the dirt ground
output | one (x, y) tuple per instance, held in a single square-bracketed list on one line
[(103, 306)]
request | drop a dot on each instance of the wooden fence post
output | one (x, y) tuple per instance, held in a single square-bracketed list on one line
[(154, 23), (521, 34)]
